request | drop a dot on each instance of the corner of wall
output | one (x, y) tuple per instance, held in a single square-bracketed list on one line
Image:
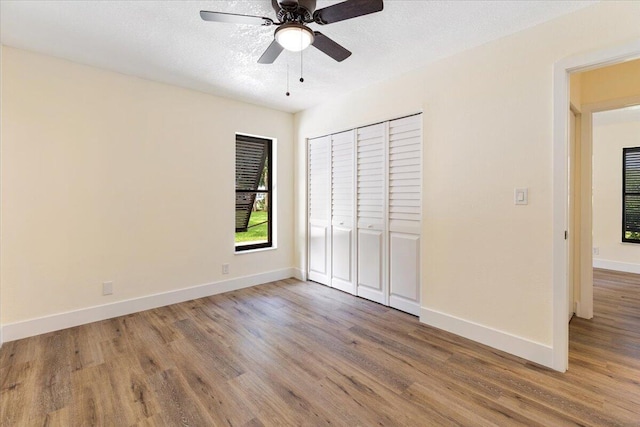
[(1, 334), (575, 91), (299, 198), (300, 274)]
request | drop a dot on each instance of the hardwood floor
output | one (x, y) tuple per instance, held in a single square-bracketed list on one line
[(294, 353)]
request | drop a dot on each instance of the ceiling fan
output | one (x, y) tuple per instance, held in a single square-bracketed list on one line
[(292, 33)]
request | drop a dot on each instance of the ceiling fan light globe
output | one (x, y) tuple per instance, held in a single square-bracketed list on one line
[(294, 37)]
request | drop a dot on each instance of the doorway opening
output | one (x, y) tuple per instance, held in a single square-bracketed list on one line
[(605, 94), (572, 217)]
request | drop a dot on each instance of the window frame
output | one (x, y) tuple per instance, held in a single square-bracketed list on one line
[(268, 192), (625, 193)]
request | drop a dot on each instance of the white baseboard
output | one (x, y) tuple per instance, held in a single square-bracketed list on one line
[(518, 346), (55, 322), (627, 267), (300, 274)]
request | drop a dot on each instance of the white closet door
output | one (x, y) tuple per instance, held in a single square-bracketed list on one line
[(342, 220), (371, 210), (319, 209), (405, 207)]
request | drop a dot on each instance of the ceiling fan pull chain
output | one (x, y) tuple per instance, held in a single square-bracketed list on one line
[(288, 80), (301, 79)]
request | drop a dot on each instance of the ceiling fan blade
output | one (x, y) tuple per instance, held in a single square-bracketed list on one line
[(233, 18), (271, 54), (331, 48), (346, 10)]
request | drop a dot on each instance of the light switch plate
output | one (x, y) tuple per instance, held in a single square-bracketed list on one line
[(521, 196)]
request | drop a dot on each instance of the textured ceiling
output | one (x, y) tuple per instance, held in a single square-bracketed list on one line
[(167, 41)]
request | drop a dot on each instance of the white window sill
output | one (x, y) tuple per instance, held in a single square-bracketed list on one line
[(251, 251)]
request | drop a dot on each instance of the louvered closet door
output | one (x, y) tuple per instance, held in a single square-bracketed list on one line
[(319, 209), (370, 144), (342, 220), (405, 207)]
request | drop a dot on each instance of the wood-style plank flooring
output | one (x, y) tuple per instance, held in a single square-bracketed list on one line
[(294, 353)]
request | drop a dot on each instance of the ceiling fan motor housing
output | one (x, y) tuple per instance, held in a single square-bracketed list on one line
[(294, 10)]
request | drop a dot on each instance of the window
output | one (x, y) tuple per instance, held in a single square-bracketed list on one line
[(631, 195), (253, 193)]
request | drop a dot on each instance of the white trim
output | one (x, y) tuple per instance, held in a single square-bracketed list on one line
[(253, 251), (626, 267), (561, 70), (55, 322), (300, 274), (518, 346), (560, 338)]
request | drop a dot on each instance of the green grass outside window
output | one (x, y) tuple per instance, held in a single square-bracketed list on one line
[(255, 233)]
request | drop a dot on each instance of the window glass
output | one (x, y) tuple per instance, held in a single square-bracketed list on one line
[(631, 195), (253, 193)]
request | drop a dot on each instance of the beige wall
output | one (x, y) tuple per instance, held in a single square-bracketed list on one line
[(607, 83), (110, 177), (608, 141), (1, 322), (487, 129), (575, 90)]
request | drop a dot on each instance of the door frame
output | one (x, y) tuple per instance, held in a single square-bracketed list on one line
[(560, 264), (574, 181)]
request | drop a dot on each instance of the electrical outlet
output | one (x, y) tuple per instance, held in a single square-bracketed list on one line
[(596, 251), (107, 288), (225, 268)]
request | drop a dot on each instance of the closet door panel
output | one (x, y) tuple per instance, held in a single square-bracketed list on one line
[(405, 212), (371, 176), (405, 174), (404, 272), (319, 209), (318, 251), (342, 212), (341, 265), (370, 262), (371, 207)]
